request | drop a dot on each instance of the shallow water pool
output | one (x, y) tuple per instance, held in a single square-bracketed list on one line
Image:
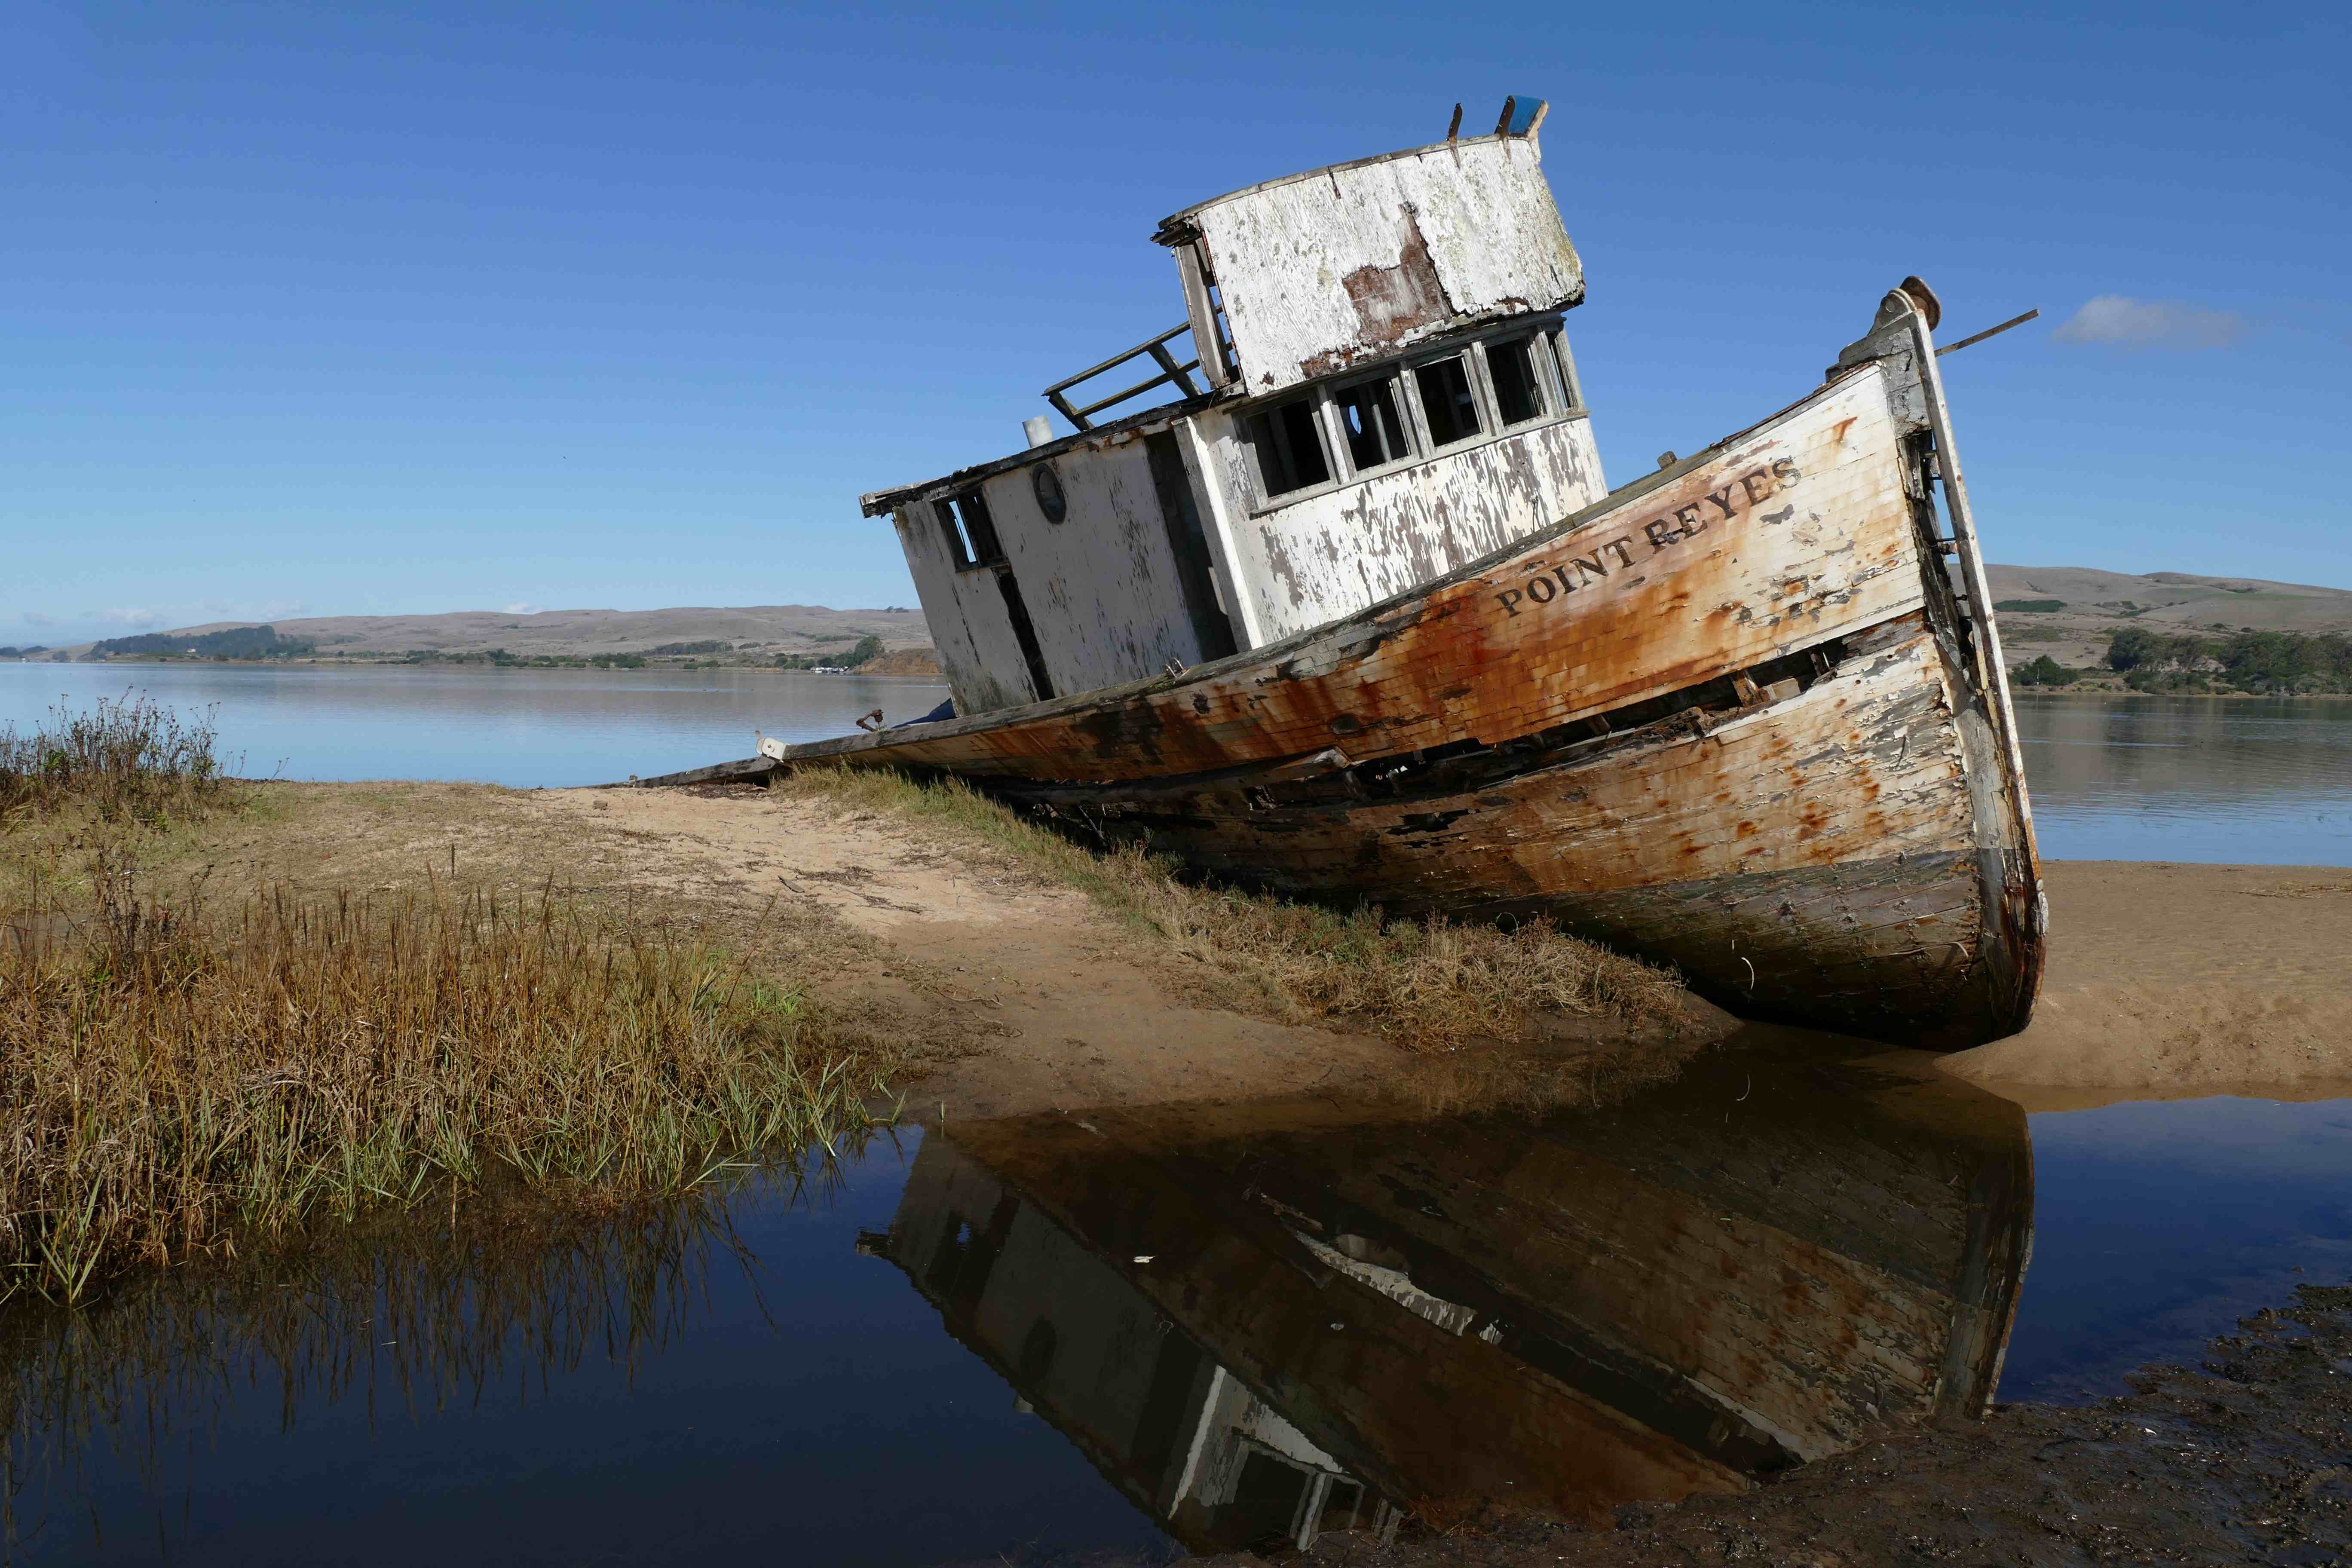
[(1140, 1333)]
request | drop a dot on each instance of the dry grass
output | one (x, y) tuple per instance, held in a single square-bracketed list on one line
[(1431, 986), (181, 1077), (124, 761)]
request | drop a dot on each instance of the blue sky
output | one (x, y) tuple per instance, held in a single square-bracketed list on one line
[(352, 309)]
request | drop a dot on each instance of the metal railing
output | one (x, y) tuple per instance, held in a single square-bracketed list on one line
[(1170, 373)]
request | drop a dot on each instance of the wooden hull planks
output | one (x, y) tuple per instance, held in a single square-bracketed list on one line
[(1809, 860), (1733, 718)]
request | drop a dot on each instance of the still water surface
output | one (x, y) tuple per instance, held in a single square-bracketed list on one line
[(2252, 781), (1158, 1331), (2138, 778), (853, 1368), (523, 728)]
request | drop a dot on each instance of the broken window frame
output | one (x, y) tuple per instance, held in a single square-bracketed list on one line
[(1407, 431), (1474, 374), (969, 530), (1562, 397), (1266, 416), (1564, 367), (1540, 383)]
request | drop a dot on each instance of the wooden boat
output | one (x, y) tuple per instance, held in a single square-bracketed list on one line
[(1356, 621), (1260, 1322)]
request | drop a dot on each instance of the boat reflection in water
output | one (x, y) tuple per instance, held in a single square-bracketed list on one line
[(1264, 1321)]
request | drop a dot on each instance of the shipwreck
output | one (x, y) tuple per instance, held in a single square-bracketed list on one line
[(1354, 617)]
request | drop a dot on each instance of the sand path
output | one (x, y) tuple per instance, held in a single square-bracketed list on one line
[(2163, 978), (1073, 1018), (2191, 979)]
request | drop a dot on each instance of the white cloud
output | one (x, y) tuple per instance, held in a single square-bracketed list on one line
[(133, 617), (30, 619), (2119, 321), (253, 610), (520, 608)]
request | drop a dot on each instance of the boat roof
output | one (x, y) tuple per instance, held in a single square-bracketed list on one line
[(1177, 227), (881, 504)]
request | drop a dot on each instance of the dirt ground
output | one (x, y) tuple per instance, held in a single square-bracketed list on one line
[(1035, 999), (2163, 979)]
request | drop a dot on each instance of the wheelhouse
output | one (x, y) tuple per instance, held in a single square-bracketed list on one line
[(1372, 388)]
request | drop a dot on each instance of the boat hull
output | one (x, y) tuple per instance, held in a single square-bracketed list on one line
[(1732, 718), (1810, 860)]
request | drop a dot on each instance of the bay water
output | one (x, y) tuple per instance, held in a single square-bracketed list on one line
[(2244, 781), (763, 1381)]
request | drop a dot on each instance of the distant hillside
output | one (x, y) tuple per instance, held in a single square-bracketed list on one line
[(2070, 612), (752, 633), (2067, 612)]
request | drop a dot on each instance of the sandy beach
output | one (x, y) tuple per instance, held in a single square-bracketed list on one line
[(2184, 980), (2164, 980)]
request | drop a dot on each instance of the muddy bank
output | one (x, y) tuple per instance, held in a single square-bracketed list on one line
[(2247, 1459), (2185, 979)]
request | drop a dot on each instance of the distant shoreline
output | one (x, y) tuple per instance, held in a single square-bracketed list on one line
[(2042, 693), (523, 666)]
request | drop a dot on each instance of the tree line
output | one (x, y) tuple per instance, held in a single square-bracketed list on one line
[(235, 642), (868, 648), (2281, 664)]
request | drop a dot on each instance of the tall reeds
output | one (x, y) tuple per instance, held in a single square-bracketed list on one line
[(181, 1078), (171, 1080)]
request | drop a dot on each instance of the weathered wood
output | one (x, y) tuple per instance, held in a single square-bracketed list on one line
[(1340, 266), (1312, 558), (1202, 313), (745, 770), (1595, 614)]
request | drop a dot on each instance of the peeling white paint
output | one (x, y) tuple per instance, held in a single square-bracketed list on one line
[(1102, 587), (1312, 560), (1326, 270)]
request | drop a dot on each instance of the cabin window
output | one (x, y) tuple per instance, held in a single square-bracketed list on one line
[(971, 534), (1288, 446), (1046, 484), (1447, 401), (1518, 384), (1372, 424), (1565, 363)]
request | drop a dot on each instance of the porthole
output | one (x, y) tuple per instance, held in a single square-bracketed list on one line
[(1048, 486)]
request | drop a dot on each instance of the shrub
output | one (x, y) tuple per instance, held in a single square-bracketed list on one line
[(128, 758), (2043, 672), (2275, 662)]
